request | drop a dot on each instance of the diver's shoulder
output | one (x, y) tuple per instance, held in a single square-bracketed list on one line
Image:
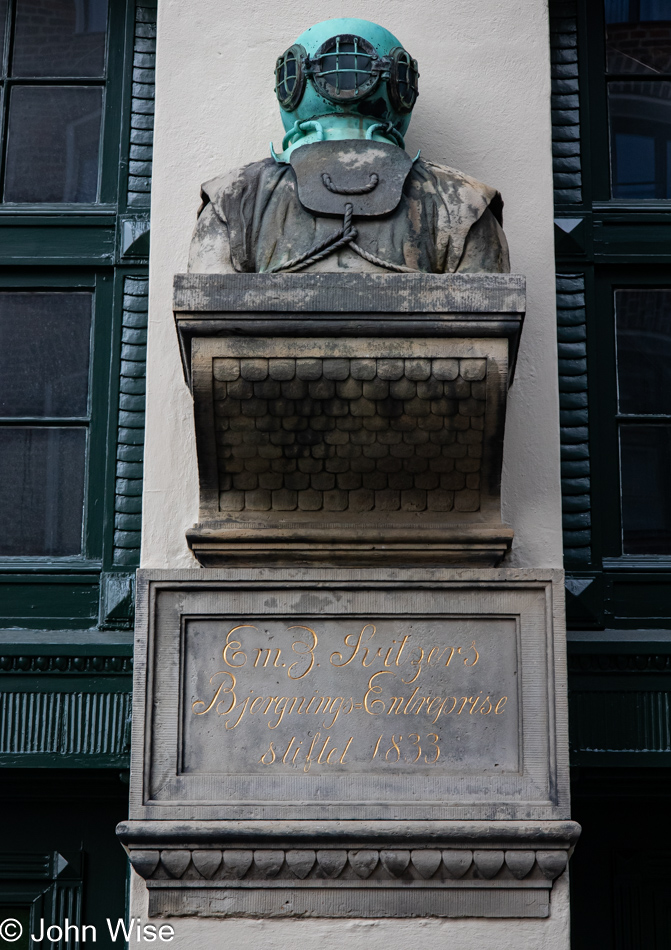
[(237, 178), (448, 177)]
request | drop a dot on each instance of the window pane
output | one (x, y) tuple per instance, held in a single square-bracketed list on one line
[(44, 354), (643, 330), (59, 38), (41, 491), (645, 459), (638, 36), (53, 143), (640, 133)]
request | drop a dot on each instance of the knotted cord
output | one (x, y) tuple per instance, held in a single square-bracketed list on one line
[(346, 235)]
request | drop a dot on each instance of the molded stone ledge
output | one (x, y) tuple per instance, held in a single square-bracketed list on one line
[(370, 869), (217, 545), (356, 305)]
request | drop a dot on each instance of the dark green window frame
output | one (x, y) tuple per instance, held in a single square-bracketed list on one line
[(596, 144), (101, 247), (100, 285), (603, 243), (607, 418), (111, 83)]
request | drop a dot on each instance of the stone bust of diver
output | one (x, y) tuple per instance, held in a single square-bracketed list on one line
[(343, 195)]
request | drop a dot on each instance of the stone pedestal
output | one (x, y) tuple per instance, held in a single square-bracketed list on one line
[(349, 419), (330, 721)]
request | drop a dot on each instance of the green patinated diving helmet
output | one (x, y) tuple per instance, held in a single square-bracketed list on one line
[(343, 194), (345, 79)]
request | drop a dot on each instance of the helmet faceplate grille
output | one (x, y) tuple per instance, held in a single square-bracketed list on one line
[(346, 67)]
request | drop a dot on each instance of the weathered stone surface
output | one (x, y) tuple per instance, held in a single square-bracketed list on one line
[(207, 863), (318, 693), (352, 881), (426, 861), (413, 436)]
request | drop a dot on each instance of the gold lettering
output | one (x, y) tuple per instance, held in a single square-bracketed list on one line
[(394, 745), (439, 713), (309, 651), (308, 758), (267, 651), (377, 746), (396, 703), (323, 704), (270, 751), (259, 651), (349, 743), (375, 689), (389, 653), (477, 655), (259, 699), (365, 656), (242, 712), (296, 752), (441, 654), (435, 701), (501, 703), (279, 711), (416, 739), (415, 691), (319, 757), (465, 699), (354, 643), (337, 712), (220, 688), (232, 644), (300, 708), (482, 707), (284, 757), (450, 656), (472, 709), (397, 661), (434, 737), (328, 757), (418, 664)]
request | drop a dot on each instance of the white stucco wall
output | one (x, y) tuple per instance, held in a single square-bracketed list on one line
[(484, 107)]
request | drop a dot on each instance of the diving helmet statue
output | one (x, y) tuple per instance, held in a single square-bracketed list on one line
[(343, 194)]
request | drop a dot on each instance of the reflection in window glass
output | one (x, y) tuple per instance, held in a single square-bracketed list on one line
[(643, 330), (638, 36), (41, 491), (44, 353), (53, 143), (59, 38), (640, 135), (645, 461)]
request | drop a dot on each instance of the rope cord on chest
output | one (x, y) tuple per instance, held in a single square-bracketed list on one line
[(344, 236)]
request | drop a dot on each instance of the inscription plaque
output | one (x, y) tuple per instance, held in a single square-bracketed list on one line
[(352, 695), (349, 743), (347, 694)]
